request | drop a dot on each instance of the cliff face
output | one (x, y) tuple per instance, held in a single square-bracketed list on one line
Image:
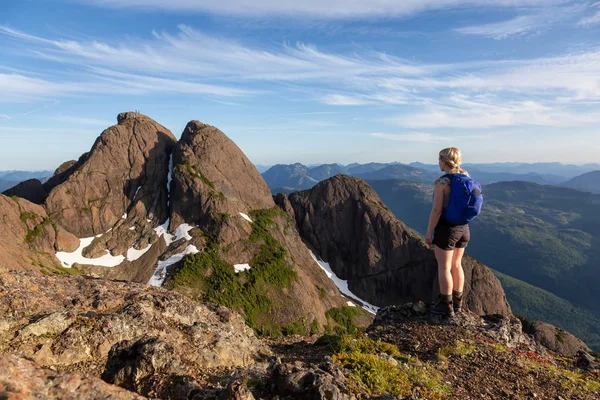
[(125, 173)]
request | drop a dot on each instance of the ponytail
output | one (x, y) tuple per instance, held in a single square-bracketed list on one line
[(453, 158)]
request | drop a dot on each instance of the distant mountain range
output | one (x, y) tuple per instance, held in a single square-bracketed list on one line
[(9, 179), (588, 182), (288, 178)]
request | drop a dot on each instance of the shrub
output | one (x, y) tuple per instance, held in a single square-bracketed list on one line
[(296, 328), (314, 327), (33, 233), (26, 215), (322, 292), (344, 316)]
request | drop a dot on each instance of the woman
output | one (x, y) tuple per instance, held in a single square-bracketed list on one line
[(450, 240)]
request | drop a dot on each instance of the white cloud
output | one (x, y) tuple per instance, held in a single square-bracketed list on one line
[(424, 137), (501, 30), (591, 20), (539, 91), (343, 100), (467, 113), (315, 8)]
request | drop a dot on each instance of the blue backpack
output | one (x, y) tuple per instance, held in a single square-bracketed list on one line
[(466, 199)]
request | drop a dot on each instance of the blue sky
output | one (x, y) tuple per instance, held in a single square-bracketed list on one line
[(314, 81)]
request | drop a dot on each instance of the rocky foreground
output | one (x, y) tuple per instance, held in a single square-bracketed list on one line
[(84, 338)]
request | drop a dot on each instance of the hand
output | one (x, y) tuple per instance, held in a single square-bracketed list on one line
[(428, 238)]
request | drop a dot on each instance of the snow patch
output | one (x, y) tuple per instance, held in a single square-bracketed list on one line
[(132, 228), (169, 179), (68, 259), (241, 267), (162, 231), (247, 218), (158, 278), (133, 254), (351, 304), (342, 285), (182, 232), (136, 192), (124, 216)]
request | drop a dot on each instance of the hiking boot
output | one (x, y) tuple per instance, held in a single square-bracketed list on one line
[(457, 301), (443, 306)]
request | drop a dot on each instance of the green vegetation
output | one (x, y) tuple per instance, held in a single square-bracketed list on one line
[(199, 175), (539, 304), (371, 373), (322, 292), (560, 335), (53, 269), (344, 317), (574, 380), (296, 328), (26, 215), (90, 201), (15, 198), (208, 274), (33, 233), (38, 229), (458, 349), (314, 327)]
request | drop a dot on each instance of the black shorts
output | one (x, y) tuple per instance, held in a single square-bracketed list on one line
[(450, 237)]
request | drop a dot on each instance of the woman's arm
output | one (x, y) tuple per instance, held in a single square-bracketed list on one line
[(436, 209)]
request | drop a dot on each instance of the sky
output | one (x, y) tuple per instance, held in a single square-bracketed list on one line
[(315, 81)]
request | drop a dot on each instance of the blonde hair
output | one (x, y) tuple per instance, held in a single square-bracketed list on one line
[(453, 158)]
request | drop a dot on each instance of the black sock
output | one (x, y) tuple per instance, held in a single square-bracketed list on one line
[(456, 294)]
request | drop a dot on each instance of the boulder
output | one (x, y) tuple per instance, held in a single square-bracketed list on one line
[(22, 379)]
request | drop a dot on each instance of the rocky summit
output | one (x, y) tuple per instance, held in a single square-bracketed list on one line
[(153, 267)]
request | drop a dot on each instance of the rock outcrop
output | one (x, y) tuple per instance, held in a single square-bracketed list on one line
[(125, 173), (79, 324), (29, 238), (22, 379), (504, 329), (554, 338), (315, 382), (384, 261)]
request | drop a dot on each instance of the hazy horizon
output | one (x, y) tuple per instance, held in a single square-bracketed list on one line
[(310, 165)]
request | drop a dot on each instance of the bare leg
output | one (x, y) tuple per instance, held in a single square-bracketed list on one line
[(458, 274), (444, 259)]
